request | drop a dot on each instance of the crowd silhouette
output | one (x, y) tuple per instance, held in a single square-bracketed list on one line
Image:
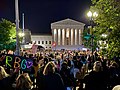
[(63, 70)]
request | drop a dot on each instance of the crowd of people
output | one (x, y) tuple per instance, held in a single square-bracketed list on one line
[(63, 70)]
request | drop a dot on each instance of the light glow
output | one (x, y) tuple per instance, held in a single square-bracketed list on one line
[(89, 14), (21, 34), (95, 14)]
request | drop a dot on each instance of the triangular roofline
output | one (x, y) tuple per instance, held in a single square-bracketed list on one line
[(67, 20), (67, 23)]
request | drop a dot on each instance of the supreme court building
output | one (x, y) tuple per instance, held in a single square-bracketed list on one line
[(67, 34)]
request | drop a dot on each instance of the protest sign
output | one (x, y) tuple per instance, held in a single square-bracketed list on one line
[(13, 61)]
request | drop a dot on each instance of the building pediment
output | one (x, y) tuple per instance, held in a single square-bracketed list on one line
[(67, 23)]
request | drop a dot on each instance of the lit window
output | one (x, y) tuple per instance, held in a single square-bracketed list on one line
[(38, 42), (31, 42), (46, 42), (42, 42), (49, 42)]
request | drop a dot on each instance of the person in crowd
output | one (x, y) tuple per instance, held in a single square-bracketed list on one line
[(57, 63), (31, 72), (80, 77), (36, 66), (117, 87), (114, 75), (40, 72), (89, 60), (68, 79), (23, 82), (96, 79), (40, 76), (7, 80), (50, 80), (46, 59)]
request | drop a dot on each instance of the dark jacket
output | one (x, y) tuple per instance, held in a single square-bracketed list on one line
[(66, 76), (22, 89), (95, 81), (51, 81), (6, 83)]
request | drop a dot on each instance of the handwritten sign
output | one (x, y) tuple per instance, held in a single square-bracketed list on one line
[(13, 61)]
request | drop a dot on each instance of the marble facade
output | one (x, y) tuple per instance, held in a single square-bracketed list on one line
[(67, 32)]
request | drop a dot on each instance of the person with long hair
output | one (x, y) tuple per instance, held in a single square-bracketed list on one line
[(51, 80), (6, 80), (23, 82), (3, 73)]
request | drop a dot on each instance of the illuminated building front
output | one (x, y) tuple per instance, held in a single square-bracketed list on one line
[(67, 34)]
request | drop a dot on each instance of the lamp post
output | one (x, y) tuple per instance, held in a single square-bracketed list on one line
[(17, 27), (92, 16), (21, 36), (23, 29)]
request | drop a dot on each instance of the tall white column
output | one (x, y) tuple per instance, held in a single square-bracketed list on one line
[(56, 36), (53, 35), (72, 39), (75, 36), (59, 36), (63, 36), (80, 37), (69, 36)]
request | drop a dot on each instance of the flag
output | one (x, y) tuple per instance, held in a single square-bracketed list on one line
[(54, 44), (34, 48)]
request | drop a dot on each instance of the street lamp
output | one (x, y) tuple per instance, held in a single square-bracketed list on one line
[(17, 27), (21, 34), (92, 16)]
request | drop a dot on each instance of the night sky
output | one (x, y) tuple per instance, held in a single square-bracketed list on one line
[(39, 14)]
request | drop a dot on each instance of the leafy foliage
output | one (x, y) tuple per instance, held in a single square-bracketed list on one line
[(7, 35), (108, 22)]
